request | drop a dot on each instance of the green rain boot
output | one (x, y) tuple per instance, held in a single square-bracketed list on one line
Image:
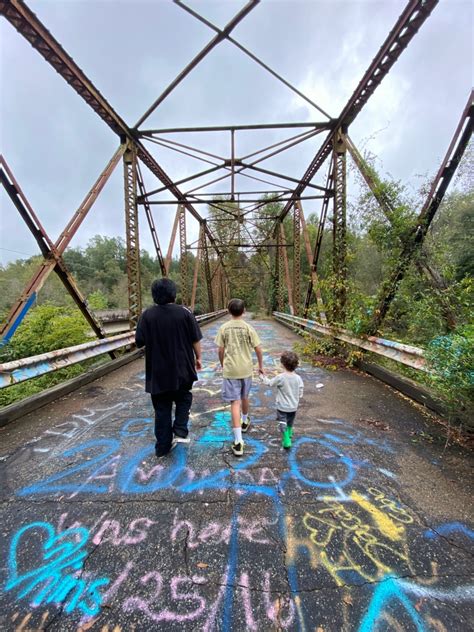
[(286, 438), (290, 430)]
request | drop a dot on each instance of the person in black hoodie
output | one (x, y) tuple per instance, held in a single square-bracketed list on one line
[(171, 337)]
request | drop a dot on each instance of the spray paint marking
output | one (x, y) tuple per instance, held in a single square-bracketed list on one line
[(56, 578)]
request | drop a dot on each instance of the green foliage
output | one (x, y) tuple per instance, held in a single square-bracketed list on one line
[(46, 328), (17, 392), (452, 359), (97, 300), (339, 354)]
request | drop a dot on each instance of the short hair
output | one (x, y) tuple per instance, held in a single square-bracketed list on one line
[(236, 306), (163, 291), (290, 360)]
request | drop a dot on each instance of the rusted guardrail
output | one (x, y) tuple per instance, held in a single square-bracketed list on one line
[(27, 368), (405, 354)]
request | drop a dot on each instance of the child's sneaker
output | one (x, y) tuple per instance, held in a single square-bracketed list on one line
[(238, 448), (286, 438), (245, 424)]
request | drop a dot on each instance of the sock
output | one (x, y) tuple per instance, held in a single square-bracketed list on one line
[(244, 417), (237, 435)]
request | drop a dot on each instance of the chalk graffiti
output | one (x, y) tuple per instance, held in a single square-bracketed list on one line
[(331, 516), (448, 529), (55, 579)]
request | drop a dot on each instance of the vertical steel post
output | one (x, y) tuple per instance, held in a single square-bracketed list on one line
[(207, 273), (197, 261), (132, 239), (183, 261), (221, 288), (314, 281), (169, 254), (319, 239), (339, 228), (296, 259), (279, 302), (285, 266), (215, 284)]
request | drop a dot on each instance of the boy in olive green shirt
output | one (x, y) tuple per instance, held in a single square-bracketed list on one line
[(236, 340)]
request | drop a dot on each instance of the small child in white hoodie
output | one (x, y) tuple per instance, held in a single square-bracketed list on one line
[(289, 391)]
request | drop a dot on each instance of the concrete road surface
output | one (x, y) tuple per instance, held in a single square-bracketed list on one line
[(365, 524)]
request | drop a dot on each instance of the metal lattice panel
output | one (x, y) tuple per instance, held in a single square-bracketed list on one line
[(296, 258), (183, 260), (132, 240), (339, 230)]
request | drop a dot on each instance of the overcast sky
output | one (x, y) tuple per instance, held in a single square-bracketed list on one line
[(131, 50)]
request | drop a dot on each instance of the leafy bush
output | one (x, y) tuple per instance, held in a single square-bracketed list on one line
[(452, 359), (44, 329)]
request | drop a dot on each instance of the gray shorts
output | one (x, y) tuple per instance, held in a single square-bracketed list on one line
[(233, 389)]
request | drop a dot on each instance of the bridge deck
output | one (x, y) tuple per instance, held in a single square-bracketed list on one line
[(363, 525)]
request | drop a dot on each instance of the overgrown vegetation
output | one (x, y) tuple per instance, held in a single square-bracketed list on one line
[(432, 308)]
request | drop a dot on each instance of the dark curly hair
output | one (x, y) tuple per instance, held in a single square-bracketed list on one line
[(163, 291), (289, 360)]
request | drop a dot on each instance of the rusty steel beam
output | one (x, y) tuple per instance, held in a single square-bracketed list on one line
[(319, 240), (197, 261), (151, 222), (47, 248), (439, 186), (132, 234), (183, 259), (296, 259), (404, 354), (174, 145), (426, 269), (312, 270), (407, 25), (229, 128), (221, 36), (339, 229), (196, 200), (207, 273), (288, 143), (283, 252), (32, 29), (169, 254), (251, 55), (28, 296)]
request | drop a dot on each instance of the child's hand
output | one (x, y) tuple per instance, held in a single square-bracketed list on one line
[(198, 364), (261, 373)]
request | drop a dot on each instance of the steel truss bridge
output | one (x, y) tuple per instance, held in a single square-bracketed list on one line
[(212, 270)]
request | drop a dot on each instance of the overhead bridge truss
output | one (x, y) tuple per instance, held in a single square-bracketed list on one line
[(241, 207)]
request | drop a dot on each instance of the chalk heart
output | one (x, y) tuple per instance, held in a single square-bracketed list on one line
[(58, 551)]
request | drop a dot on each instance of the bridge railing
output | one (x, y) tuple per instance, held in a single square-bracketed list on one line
[(18, 371), (397, 351)]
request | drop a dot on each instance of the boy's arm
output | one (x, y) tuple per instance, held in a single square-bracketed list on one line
[(273, 381), (140, 333), (220, 352), (258, 351), (197, 353)]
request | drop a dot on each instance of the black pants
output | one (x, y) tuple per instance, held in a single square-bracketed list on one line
[(286, 418), (164, 426)]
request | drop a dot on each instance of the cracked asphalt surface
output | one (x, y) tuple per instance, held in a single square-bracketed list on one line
[(365, 524)]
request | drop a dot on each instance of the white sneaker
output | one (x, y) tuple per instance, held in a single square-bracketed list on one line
[(181, 439)]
